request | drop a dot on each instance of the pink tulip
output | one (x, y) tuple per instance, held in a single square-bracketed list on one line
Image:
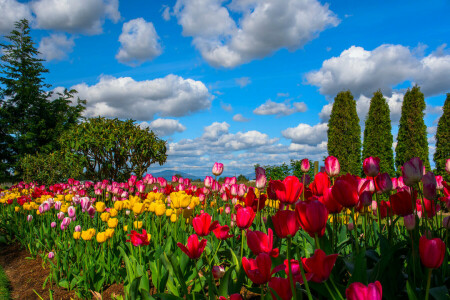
[(439, 184), (51, 255), (358, 291), (332, 166), (371, 166), (412, 171), (53, 224), (447, 165), (304, 165), (71, 211), (429, 185), (217, 169), (409, 221)]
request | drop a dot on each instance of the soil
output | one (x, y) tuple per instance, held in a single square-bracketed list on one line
[(27, 275)]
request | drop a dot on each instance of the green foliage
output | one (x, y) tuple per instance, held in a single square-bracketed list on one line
[(412, 132), (4, 285), (53, 167), (275, 172), (344, 133), (296, 169), (114, 149), (31, 118), (242, 178), (443, 140), (377, 134)]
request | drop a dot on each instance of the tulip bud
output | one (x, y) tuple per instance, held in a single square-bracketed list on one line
[(51, 255), (371, 166), (350, 226), (234, 189), (217, 169), (439, 184), (218, 272), (71, 211), (332, 166), (409, 221), (305, 166), (58, 205), (208, 181), (60, 215), (53, 224), (242, 190), (261, 181), (383, 183), (412, 171), (78, 228), (432, 252)]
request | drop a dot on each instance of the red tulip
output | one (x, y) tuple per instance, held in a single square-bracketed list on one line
[(221, 232), (236, 296), (332, 205), (430, 207), (202, 224), (296, 272), (320, 265), (259, 269), (431, 252), (358, 291), (320, 183), (429, 185), (312, 217), (289, 190), (383, 183), (371, 166), (252, 201), (305, 165), (259, 242), (194, 248), (282, 288), (285, 223), (385, 209), (401, 203), (138, 239), (345, 190), (412, 171), (332, 166), (218, 272), (244, 217)]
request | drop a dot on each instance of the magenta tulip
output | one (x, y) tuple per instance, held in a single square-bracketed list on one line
[(332, 166), (371, 166)]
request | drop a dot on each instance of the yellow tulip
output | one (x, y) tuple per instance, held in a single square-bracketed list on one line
[(173, 218), (68, 197), (87, 235), (118, 205), (149, 236), (137, 224), (17, 209), (100, 207), (125, 228), (109, 232), (113, 212), (169, 212), (112, 222), (160, 209), (104, 216), (180, 199), (101, 237), (76, 235), (152, 207), (138, 208)]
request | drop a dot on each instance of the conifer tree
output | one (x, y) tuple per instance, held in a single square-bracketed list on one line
[(443, 140), (344, 133), (412, 132), (377, 134)]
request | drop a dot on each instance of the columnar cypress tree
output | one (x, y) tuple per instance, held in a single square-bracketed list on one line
[(344, 133), (443, 140), (377, 134), (412, 132)]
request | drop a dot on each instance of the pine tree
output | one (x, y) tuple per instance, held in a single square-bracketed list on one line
[(29, 121), (377, 134), (443, 140), (344, 133), (412, 132)]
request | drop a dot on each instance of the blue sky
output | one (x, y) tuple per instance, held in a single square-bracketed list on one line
[(241, 82)]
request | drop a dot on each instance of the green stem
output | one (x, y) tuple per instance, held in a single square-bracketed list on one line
[(335, 288), (294, 292), (242, 245), (355, 230), (316, 238), (427, 292), (329, 291), (300, 263), (198, 275)]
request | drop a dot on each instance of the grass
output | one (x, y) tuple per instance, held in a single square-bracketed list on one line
[(4, 285)]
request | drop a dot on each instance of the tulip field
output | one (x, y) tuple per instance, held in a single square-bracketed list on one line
[(335, 236)]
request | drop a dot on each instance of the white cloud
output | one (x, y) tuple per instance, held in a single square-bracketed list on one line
[(12, 11), (124, 97), (363, 72), (139, 42), (243, 81), (264, 27), (226, 106), (307, 134), (166, 13), (325, 113), (56, 47), (279, 109), (85, 16), (310, 150), (214, 130), (432, 130), (164, 127), (240, 118), (282, 94)]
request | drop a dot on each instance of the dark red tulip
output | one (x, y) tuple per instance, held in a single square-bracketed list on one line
[(385, 209), (259, 242), (320, 183), (432, 252), (271, 192), (259, 270), (345, 190), (332, 205), (412, 171), (358, 291), (138, 239), (371, 166), (383, 183), (202, 224), (244, 217), (312, 217), (285, 223), (332, 166), (296, 272), (430, 207), (401, 203), (221, 232), (289, 190), (194, 248), (282, 288), (252, 201), (429, 185), (320, 265)]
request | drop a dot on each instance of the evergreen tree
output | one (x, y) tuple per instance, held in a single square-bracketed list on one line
[(412, 132), (443, 140), (344, 133), (377, 134), (30, 121)]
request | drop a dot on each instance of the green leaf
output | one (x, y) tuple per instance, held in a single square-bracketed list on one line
[(64, 284), (439, 293), (410, 291), (224, 281)]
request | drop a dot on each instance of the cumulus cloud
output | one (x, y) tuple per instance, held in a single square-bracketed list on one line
[(363, 71), (243, 81), (264, 27), (319, 150), (306, 134), (56, 47), (12, 11), (240, 118), (85, 16), (164, 127), (124, 97), (279, 109), (226, 106), (138, 42)]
